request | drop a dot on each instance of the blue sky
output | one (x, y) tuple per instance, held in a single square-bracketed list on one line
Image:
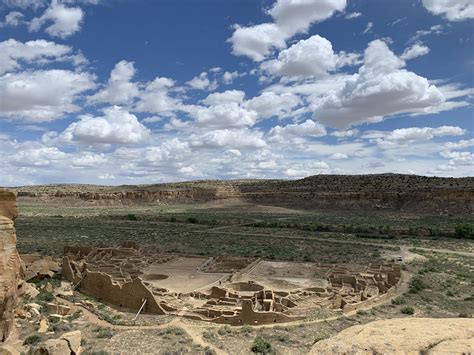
[(127, 92)]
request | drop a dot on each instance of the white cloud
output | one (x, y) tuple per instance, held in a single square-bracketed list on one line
[(345, 134), (13, 53), (89, 160), (464, 143), (119, 89), (294, 16), (202, 82), (338, 156), (229, 77), (310, 57), (227, 115), (42, 96), (453, 10), (416, 50), (257, 41), (116, 126), (270, 104), (412, 134), (156, 98), (381, 88), (24, 4), (227, 96), (436, 29), (353, 15), (308, 128), (65, 20), (12, 19), (229, 138), (368, 28), (37, 156), (291, 17)]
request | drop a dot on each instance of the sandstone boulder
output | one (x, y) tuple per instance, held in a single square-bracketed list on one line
[(9, 262), (401, 336), (69, 343)]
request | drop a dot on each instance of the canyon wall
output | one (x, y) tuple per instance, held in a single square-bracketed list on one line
[(395, 192), (9, 262)]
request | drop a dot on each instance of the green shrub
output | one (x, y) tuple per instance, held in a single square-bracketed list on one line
[(261, 346), (408, 310), (173, 331), (32, 340), (398, 301), (132, 217), (416, 285), (193, 220), (104, 333), (45, 296), (173, 219), (464, 230)]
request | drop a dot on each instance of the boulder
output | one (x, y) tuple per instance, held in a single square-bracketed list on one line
[(52, 347), (69, 343), (43, 325), (28, 289), (401, 336), (9, 262), (74, 340)]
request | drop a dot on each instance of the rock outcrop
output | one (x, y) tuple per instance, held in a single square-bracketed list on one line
[(9, 262), (403, 336), (393, 192)]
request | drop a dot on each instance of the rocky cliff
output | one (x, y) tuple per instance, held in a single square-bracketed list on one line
[(387, 191), (9, 262)]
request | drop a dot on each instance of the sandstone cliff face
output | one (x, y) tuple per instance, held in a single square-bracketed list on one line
[(368, 192), (9, 262)]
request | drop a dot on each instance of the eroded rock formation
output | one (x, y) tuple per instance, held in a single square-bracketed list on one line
[(9, 262), (393, 192)]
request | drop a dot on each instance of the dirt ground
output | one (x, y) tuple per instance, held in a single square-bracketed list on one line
[(184, 275)]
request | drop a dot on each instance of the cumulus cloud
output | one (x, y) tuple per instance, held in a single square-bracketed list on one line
[(257, 41), (88, 160), (309, 128), (416, 50), (229, 138), (202, 82), (43, 95), (453, 10), (119, 89), (381, 88), (156, 98), (310, 57), (291, 17), (116, 126), (13, 53), (65, 20), (37, 156), (227, 115), (227, 96), (270, 104)]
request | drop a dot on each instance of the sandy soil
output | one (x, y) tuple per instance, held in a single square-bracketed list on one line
[(183, 275)]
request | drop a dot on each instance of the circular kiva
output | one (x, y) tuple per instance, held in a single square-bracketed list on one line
[(153, 277), (245, 286)]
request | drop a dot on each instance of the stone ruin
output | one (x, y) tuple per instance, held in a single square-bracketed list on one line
[(9, 262), (117, 275)]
